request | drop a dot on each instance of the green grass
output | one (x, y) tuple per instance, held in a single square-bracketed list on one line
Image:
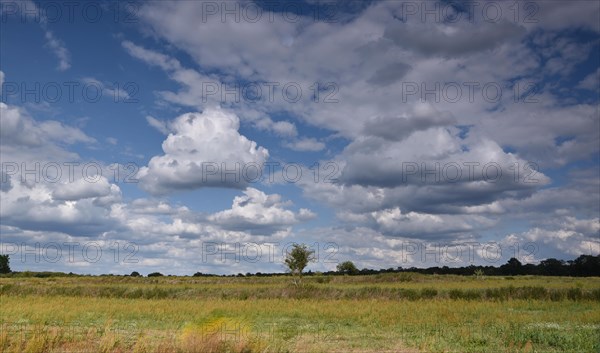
[(394, 313)]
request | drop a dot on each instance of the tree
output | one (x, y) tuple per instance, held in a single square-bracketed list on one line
[(552, 267), (135, 274), (512, 267), (586, 265), (347, 267), (4, 264), (297, 259), (479, 273), (155, 274)]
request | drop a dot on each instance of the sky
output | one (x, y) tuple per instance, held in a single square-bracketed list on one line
[(210, 136)]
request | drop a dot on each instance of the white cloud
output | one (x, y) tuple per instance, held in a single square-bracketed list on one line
[(591, 81), (305, 144), (197, 140), (257, 212), (566, 240), (78, 209), (151, 57), (159, 125), (58, 48), (281, 128), (422, 225), (105, 90), (25, 139), (82, 189), (20, 128), (147, 206)]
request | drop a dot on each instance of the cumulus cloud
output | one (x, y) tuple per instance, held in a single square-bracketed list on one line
[(398, 128), (149, 206), (257, 212), (85, 211), (574, 237), (281, 128), (198, 151), (25, 139), (426, 226), (19, 128), (432, 157), (370, 56), (82, 189)]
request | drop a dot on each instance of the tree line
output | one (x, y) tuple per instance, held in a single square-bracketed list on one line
[(300, 257)]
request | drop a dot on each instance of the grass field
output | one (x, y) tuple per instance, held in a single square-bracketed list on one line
[(381, 313)]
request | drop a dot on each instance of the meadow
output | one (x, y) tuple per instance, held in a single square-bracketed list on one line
[(401, 312)]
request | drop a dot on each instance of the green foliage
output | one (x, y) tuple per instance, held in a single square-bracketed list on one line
[(347, 267), (297, 260), (4, 264)]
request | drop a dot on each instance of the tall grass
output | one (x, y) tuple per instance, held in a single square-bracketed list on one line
[(382, 314)]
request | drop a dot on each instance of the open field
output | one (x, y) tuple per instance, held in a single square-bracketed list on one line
[(392, 312)]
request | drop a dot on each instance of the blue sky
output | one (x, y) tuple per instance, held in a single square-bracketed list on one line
[(440, 135)]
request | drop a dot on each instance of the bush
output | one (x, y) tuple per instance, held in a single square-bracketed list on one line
[(575, 294), (405, 277), (467, 294), (155, 274), (428, 293), (323, 279)]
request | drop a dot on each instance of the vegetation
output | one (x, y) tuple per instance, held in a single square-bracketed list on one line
[(4, 264), (477, 308), (347, 267), (297, 259), (390, 312)]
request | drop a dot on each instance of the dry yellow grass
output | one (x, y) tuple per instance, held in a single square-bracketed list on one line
[(371, 322)]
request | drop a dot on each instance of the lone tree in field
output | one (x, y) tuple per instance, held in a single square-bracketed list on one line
[(347, 267), (297, 259), (4, 264)]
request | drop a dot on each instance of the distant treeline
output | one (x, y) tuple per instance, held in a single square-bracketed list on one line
[(583, 266)]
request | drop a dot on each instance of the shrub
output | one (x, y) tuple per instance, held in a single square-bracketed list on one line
[(428, 293), (405, 277), (575, 294), (323, 279)]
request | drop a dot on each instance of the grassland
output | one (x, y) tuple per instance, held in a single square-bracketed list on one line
[(380, 313)]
